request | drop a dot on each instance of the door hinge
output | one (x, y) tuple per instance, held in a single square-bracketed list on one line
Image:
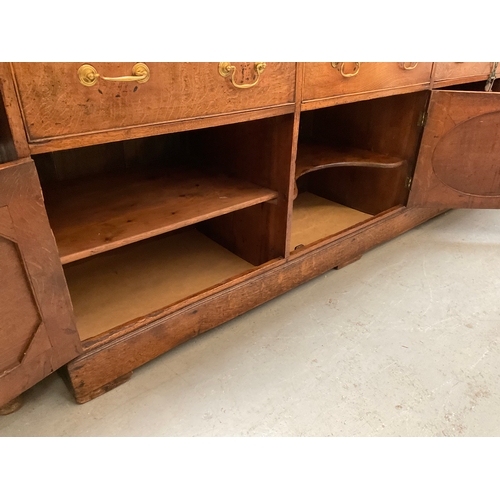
[(408, 182), (491, 78), (422, 119)]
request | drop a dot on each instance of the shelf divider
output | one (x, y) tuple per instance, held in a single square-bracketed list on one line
[(93, 215)]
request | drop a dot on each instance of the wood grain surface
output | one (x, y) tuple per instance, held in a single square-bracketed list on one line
[(99, 213), (459, 159), (311, 157), (321, 80), (129, 283), (139, 299), (13, 140), (460, 70), (315, 218), (37, 331), (55, 104)]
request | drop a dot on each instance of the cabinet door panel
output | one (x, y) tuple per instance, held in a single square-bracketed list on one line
[(459, 160), (37, 330)]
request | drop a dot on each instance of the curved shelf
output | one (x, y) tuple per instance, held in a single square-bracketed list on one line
[(311, 157)]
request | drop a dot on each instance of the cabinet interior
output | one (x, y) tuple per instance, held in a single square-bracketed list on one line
[(473, 87), (145, 223), (353, 163)]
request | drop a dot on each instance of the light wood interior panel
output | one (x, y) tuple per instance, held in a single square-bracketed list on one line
[(315, 218), (113, 288)]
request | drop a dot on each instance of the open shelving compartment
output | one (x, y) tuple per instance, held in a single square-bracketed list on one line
[(144, 224), (354, 162)]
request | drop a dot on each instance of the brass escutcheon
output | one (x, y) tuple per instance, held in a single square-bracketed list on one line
[(408, 66), (340, 67), (226, 69)]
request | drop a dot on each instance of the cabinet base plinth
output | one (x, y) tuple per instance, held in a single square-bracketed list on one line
[(348, 261), (84, 397)]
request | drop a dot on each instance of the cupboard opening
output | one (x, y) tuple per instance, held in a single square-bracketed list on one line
[(354, 161), (133, 282), (143, 224)]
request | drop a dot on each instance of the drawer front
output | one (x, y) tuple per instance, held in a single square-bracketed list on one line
[(55, 103), (458, 70), (322, 80)]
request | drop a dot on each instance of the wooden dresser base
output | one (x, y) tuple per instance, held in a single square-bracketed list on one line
[(109, 364)]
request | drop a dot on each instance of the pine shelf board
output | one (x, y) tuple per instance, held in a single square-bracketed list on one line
[(98, 214), (126, 284)]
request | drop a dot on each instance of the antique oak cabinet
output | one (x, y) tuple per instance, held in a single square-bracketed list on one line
[(142, 204)]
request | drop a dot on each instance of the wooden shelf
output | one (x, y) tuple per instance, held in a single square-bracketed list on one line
[(116, 287), (94, 215), (312, 157), (315, 218)]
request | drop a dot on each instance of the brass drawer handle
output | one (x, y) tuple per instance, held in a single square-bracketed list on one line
[(226, 69), (340, 67), (88, 75), (409, 66)]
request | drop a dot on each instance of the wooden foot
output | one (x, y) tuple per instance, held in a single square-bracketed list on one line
[(347, 262), (84, 397), (12, 406)]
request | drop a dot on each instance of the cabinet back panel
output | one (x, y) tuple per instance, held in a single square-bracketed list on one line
[(259, 152), (150, 152), (249, 233), (370, 190), (388, 125)]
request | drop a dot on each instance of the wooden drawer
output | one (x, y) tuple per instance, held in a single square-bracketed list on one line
[(55, 103), (322, 80), (463, 71)]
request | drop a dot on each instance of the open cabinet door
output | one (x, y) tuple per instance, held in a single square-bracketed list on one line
[(37, 328), (459, 160)]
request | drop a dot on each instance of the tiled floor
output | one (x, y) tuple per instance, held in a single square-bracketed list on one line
[(403, 342)]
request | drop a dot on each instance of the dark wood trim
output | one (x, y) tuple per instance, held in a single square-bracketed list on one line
[(36, 287), (13, 112), (458, 81), (134, 132), (299, 85), (362, 96)]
